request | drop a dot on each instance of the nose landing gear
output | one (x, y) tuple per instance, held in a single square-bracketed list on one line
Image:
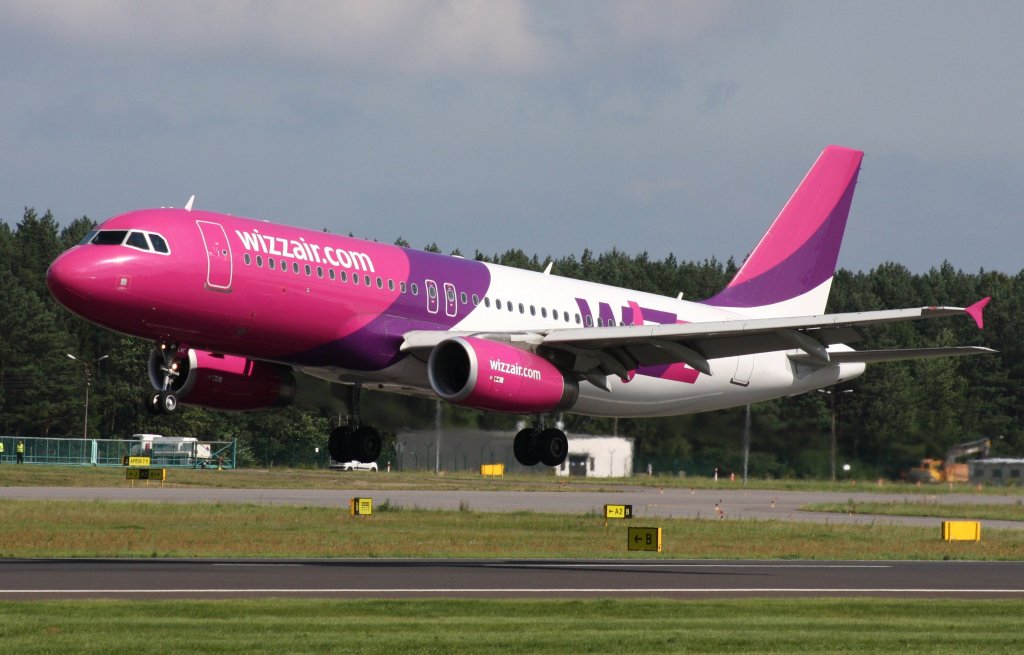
[(165, 401)]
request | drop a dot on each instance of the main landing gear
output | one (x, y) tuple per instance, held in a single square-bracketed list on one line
[(165, 401), (353, 441), (534, 446)]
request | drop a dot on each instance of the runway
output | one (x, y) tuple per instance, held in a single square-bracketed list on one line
[(24, 579)]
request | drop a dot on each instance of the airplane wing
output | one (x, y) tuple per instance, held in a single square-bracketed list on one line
[(592, 352)]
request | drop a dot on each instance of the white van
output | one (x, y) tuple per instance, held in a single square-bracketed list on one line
[(171, 451)]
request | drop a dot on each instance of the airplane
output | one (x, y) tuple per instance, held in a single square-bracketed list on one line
[(248, 315)]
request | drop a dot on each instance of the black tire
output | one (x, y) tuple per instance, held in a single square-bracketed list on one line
[(553, 447), (153, 405), (525, 447), (366, 444), (339, 445), (168, 402)]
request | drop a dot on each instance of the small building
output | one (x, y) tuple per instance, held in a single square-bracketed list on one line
[(598, 457), (997, 471), (467, 449)]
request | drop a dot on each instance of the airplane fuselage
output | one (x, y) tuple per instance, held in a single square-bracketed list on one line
[(338, 308)]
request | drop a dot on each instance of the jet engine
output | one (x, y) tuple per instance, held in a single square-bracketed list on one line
[(224, 382), (482, 374)]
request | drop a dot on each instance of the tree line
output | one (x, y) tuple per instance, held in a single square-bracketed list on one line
[(896, 413)]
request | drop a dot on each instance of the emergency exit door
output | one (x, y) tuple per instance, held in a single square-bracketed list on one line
[(218, 256)]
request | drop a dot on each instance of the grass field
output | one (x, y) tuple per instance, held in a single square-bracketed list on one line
[(12, 475), (122, 529), (509, 627)]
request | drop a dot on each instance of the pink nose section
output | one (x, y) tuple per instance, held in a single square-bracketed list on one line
[(68, 280)]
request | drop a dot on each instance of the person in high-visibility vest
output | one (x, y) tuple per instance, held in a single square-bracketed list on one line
[(20, 449), (1, 451)]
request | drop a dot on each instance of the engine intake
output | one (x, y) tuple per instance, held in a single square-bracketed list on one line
[(225, 382), (482, 374)]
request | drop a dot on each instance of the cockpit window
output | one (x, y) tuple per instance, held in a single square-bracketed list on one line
[(159, 244), (137, 240), (109, 237), (87, 238)]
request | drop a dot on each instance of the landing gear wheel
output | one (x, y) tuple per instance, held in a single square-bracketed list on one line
[(552, 447), (525, 447), (153, 405), (168, 402), (366, 444), (339, 445)]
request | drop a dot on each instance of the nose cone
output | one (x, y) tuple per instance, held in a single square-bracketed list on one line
[(71, 279)]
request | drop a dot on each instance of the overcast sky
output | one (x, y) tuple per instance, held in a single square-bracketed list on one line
[(548, 126)]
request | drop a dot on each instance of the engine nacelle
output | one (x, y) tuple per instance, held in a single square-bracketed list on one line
[(482, 374), (225, 381)]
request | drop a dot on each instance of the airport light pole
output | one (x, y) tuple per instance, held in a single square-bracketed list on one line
[(87, 366), (832, 405)]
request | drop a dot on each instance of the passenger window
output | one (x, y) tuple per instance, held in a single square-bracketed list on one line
[(137, 240), (259, 261), (355, 279), (295, 267), (344, 276), (497, 303), (522, 310), (247, 259), (159, 244), (588, 321), (366, 279), (402, 286), (380, 283), (565, 317), (331, 273), (487, 302), (462, 297), (533, 310), (391, 285), (543, 312), (415, 289), (476, 299), (309, 270), (270, 263), (320, 272)]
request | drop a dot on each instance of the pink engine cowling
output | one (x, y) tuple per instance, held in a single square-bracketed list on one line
[(482, 374), (226, 382)]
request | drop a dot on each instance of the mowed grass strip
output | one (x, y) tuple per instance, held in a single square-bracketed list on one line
[(122, 529), (33, 475), (509, 627), (930, 509)]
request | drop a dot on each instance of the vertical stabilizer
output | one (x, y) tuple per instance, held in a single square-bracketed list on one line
[(790, 271)]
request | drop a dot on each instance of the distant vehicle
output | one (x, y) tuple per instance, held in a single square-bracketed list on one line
[(356, 465), (172, 451), (948, 469)]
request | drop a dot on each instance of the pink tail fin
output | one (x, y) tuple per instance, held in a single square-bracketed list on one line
[(798, 253)]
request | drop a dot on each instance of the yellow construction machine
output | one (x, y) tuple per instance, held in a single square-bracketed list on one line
[(948, 469)]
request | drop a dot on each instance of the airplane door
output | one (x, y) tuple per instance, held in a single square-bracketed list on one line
[(451, 307), (432, 300), (218, 256)]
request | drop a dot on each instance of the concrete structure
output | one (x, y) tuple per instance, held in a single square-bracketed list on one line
[(996, 471), (467, 450), (598, 457)]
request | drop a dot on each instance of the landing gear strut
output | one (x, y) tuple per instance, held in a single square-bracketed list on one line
[(533, 445), (353, 441), (165, 401)]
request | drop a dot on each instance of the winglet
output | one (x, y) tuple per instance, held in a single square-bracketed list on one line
[(975, 311)]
